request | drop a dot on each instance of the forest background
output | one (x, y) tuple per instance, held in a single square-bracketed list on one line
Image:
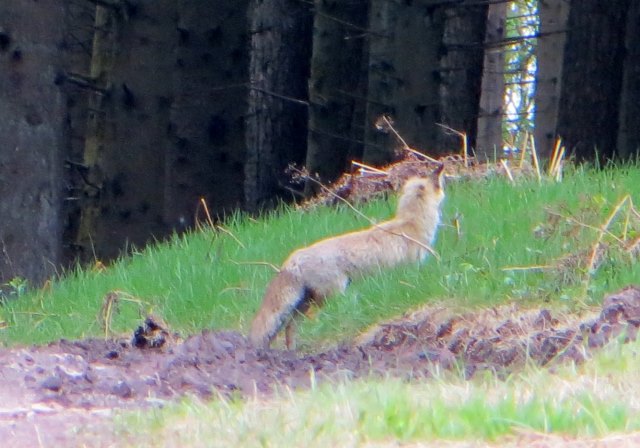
[(120, 119)]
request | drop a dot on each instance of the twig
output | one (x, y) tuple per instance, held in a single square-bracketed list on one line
[(228, 232), (279, 96), (582, 224), (528, 268), (555, 166), (507, 170), (109, 306), (406, 147), (554, 156), (259, 263), (465, 143), (386, 121), (369, 168), (206, 212), (419, 154), (603, 230)]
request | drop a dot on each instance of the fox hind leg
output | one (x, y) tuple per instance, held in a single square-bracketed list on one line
[(313, 299), (290, 334), (306, 308)]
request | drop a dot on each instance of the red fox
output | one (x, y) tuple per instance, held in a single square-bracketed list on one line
[(313, 273)]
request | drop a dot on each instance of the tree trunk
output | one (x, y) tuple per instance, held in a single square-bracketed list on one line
[(404, 77), (335, 87), (549, 56), (592, 77), (79, 34), (32, 124), (461, 72), (133, 55), (629, 132), (206, 156), (489, 141), (276, 123)]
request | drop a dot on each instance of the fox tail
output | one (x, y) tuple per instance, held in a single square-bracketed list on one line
[(285, 295)]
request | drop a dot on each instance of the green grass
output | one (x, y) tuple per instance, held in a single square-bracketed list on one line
[(216, 280), (589, 401)]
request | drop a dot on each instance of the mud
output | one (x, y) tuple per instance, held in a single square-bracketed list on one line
[(65, 393)]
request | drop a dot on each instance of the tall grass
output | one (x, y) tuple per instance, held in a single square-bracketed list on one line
[(215, 279)]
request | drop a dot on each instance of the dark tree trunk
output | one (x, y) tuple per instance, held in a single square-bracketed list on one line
[(32, 124), (276, 123), (549, 56), (629, 133), (80, 20), (133, 59), (592, 77), (335, 87), (206, 156), (404, 76), (489, 140), (461, 72)]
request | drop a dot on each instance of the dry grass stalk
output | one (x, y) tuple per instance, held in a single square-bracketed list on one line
[(586, 262), (507, 170), (585, 225), (110, 307), (385, 124), (523, 150), (258, 263), (534, 156), (603, 231), (228, 232), (419, 154), (535, 267), (555, 165), (203, 203), (465, 143), (364, 168)]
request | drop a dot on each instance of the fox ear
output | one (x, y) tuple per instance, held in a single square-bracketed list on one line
[(437, 176)]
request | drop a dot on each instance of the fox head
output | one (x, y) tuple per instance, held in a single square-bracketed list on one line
[(421, 192)]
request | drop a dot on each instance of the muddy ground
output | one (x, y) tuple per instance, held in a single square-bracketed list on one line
[(64, 394)]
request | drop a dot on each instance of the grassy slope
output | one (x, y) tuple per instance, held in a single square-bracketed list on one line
[(215, 280)]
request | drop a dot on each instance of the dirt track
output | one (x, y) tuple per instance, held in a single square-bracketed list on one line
[(62, 394)]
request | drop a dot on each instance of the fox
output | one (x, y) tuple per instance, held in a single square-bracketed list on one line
[(314, 273)]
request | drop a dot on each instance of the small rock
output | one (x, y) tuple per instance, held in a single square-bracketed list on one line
[(445, 329), (612, 313), (122, 390), (544, 320), (53, 383)]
